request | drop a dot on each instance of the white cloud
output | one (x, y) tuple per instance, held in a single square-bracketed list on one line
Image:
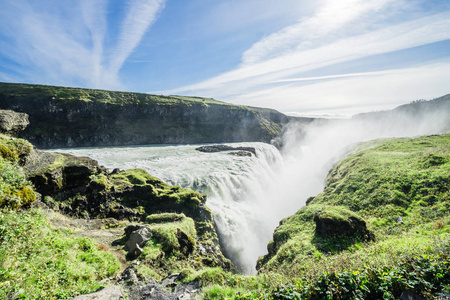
[(350, 95), (140, 16), (235, 85), (63, 42), (330, 17), (94, 16)]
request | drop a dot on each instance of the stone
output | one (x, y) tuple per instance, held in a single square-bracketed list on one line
[(444, 296), (187, 244), (130, 228), (112, 292), (12, 122), (399, 220), (220, 148), (409, 295), (168, 289), (136, 241), (129, 276), (334, 221)]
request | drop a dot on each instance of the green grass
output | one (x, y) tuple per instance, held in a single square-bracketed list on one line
[(38, 261)]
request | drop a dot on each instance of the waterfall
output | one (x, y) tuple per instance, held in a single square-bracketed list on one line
[(237, 188)]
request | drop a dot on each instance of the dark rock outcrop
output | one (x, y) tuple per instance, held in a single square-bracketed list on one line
[(339, 223), (12, 122), (221, 148), (68, 117)]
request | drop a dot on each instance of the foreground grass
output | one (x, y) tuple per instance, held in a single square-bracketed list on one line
[(40, 262)]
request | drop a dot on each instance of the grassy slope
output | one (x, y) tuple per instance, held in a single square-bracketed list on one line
[(36, 260), (408, 178)]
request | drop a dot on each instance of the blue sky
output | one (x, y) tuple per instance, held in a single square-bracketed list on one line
[(336, 57)]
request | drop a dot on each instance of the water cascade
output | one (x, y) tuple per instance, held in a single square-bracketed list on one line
[(237, 188)]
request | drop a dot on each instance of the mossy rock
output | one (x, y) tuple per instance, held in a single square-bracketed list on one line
[(338, 221), (164, 218), (14, 149), (177, 236)]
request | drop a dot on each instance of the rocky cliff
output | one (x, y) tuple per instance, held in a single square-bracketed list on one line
[(69, 117)]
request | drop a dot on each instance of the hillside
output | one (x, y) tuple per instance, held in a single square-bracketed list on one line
[(381, 207), (74, 117)]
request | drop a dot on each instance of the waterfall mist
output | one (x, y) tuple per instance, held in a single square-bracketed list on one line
[(250, 195)]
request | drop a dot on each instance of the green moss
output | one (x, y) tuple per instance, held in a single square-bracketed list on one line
[(167, 234), (337, 213), (15, 190), (100, 181), (14, 149), (164, 218), (66, 94)]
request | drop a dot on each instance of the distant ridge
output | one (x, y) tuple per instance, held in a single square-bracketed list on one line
[(413, 108), (75, 117)]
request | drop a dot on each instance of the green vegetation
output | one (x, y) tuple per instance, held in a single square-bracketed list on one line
[(381, 226), (14, 149), (172, 248), (64, 117), (169, 236), (38, 261), (15, 190)]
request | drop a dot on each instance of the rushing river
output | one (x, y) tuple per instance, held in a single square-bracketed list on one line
[(237, 187)]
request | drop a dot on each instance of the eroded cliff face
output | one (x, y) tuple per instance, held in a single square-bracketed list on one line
[(65, 117)]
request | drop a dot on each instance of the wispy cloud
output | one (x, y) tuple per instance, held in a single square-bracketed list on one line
[(354, 94), (322, 40), (309, 32), (63, 42), (140, 16)]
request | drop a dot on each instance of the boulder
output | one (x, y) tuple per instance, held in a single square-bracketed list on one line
[(12, 122), (136, 241), (339, 221), (112, 292), (220, 148), (399, 220), (409, 295)]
